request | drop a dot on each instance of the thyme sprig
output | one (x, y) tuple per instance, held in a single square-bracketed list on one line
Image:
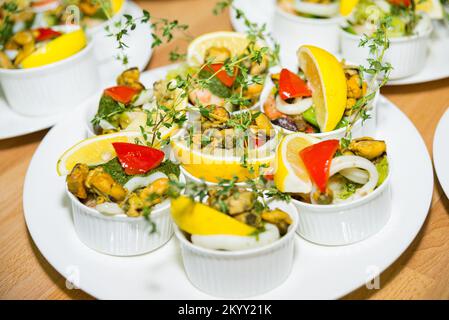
[(377, 43), (162, 31)]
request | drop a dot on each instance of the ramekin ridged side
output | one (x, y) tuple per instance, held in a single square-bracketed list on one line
[(239, 274), (407, 55), (121, 236), (293, 31), (54, 88), (343, 224)]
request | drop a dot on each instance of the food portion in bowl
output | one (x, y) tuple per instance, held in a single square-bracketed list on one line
[(130, 184), (33, 38), (321, 97), (232, 218), (314, 9), (226, 145), (223, 71), (405, 19), (324, 172), (94, 12), (220, 131), (129, 106)]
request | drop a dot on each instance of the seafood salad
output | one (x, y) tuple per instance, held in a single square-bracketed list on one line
[(291, 106), (32, 35), (94, 12), (236, 89), (228, 217), (222, 132), (130, 184), (328, 173), (315, 9), (130, 106), (405, 20)]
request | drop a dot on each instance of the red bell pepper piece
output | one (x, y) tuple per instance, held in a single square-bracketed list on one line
[(405, 3), (46, 34), (222, 75), (292, 86), (123, 94), (318, 158), (137, 159)]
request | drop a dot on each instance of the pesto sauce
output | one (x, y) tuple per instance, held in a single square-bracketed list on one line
[(114, 168)]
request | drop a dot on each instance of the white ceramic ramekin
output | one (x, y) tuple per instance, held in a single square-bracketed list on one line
[(120, 235), (54, 88), (407, 55), (360, 129), (343, 224), (239, 274), (105, 46), (293, 31)]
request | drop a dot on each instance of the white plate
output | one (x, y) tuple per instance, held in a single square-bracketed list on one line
[(139, 52), (319, 272), (436, 66), (441, 152)]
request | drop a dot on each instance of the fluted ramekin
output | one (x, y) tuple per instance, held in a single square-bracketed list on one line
[(346, 223), (122, 235), (53, 88), (407, 55), (293, 31), (239, 274)]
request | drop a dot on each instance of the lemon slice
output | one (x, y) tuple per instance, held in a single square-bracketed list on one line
[(93, 151), (58, 49), (235, 42), (116, 5), (290, 174), (432, 7), (346, 6), (222, 165), (199, 219), (328, 82)]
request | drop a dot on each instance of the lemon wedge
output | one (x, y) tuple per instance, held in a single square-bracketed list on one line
[(290, 173), (346, 6), (200, 219), (235, 42), (432, 7), (93, 151), (58, 49), (116, 5), (328, 82), (212, 167)]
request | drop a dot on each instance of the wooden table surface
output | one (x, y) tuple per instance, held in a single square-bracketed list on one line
[(422, 272)]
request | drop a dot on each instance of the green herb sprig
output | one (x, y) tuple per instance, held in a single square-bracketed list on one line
[(378, 43)]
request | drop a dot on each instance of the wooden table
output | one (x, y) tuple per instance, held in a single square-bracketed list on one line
[(422, 272)]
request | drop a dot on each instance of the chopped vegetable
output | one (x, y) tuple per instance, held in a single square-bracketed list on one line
[(222, 75), (310, 117), (317, 159), (46, 34), (123, 94), (137, 159), (292, 86)]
